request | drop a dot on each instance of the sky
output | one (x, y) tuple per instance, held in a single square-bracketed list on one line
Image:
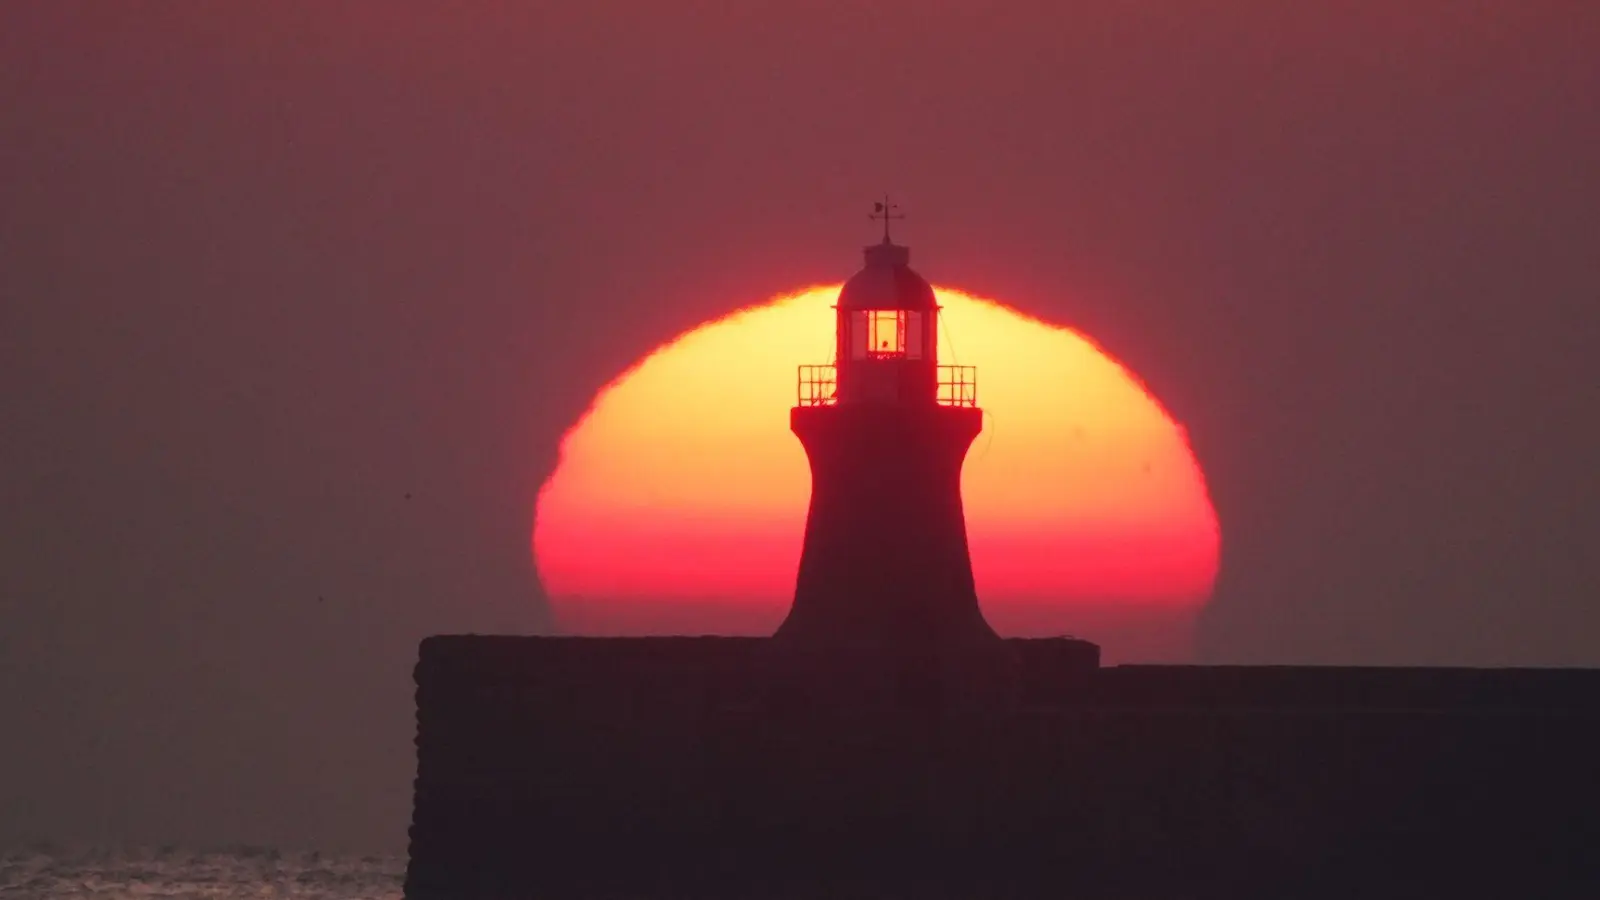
[(296, 301)]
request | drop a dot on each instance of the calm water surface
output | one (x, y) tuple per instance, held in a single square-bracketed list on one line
[(171, 872)]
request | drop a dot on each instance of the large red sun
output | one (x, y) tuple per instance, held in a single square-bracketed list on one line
[(680, 499)]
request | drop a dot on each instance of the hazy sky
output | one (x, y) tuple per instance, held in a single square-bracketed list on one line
[(267, 269)]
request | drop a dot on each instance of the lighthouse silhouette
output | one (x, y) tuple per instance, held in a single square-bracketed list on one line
[(886, 429), (884, 743)]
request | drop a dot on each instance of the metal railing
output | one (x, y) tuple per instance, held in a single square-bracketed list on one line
[(954, 385), (957, 386), (819, 386)]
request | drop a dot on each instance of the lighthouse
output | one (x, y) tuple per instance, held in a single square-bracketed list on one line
[(886, 743), (886, 429)]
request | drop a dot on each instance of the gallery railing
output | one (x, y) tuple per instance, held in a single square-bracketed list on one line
[(953, 386)]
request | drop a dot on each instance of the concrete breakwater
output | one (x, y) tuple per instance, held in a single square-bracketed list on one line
[(725, 767)]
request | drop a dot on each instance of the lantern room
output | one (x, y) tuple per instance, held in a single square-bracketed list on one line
[(887, 339), (887, 331)]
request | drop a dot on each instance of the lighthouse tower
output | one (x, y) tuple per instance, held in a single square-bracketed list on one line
[(886, 429)]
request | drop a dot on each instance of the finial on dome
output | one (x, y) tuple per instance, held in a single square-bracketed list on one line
[(887, 253), (886, 212)]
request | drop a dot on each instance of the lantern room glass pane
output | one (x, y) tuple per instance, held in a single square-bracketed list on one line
[(860, 337), (888, 333), (913, 334)]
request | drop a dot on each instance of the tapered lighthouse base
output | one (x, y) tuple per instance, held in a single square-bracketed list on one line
[(885, 561)]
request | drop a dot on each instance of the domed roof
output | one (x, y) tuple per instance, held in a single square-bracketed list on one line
[(887, 282)]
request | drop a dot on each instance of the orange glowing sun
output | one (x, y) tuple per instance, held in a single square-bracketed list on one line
[(680, 499)]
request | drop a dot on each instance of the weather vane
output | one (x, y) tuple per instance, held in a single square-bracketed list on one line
[(886, 212)]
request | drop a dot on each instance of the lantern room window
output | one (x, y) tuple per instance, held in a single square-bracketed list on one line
[(886, 334)]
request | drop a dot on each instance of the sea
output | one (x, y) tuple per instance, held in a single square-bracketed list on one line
[(237, 872)]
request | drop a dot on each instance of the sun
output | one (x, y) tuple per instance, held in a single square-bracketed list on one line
[(679, 502)]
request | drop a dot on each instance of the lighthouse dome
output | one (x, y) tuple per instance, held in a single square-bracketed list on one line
[(887, 282)]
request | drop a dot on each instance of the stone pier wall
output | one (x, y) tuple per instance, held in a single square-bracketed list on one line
[(708, 767)]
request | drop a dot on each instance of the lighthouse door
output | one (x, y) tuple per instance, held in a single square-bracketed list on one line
[(880, 381)]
